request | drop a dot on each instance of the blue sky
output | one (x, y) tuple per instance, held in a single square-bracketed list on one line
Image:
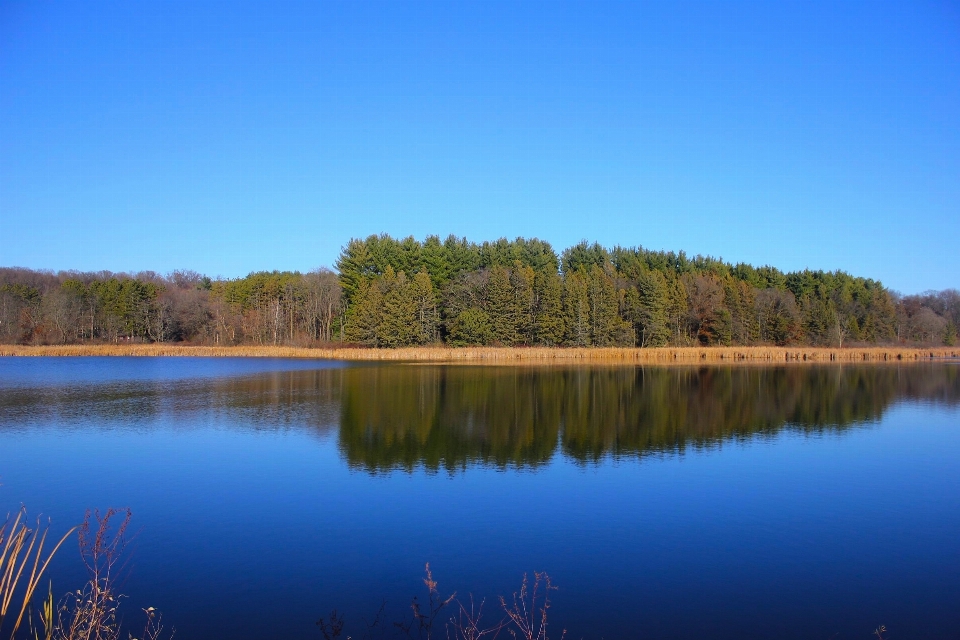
[(228, 137)]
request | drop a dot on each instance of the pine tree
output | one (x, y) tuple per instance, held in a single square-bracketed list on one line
[(355, 266), (548, 325), (653, 296), (521, 281), (950, 334), (604, 308), (363, 319), (470, 327), (434, 257), (676, 308), (501, 307), (576, 309), (398, 326), (424, 298)]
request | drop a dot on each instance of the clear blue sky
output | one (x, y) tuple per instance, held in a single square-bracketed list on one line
[(234, 136)]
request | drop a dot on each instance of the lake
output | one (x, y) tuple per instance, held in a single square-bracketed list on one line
[(715, 502)]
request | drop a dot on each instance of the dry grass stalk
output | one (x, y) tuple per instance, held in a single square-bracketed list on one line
[(524, 617), (20, 548), (515, 355), (421, 626), (91, 613), (469, 625), (530, 619), (153, 628)]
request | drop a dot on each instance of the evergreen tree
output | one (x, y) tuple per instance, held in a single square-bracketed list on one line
[(471, 327), (355, 266), (424, 298), (399, 325), (363, 319), (584, 256), (950, 334), (723, 327), (676, 308), (607, 328), (521, 281), (548, 318), (646, 306), (538, 255), (501, 307), (576, 309), (435, 259), (462, 256)]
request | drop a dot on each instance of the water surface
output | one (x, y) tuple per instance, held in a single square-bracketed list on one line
[(791, 502)]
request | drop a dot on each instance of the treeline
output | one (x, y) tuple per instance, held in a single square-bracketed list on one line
[(39, 307), (402, 292), (389, 292)]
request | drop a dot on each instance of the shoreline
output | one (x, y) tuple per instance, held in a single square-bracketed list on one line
[(509, 355)]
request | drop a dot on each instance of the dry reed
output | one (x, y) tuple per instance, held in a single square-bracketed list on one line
[(22, 548), (524, 617), (91, 613), (512, 355)]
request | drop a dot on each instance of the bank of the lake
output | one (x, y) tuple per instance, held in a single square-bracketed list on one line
[(504, 355)]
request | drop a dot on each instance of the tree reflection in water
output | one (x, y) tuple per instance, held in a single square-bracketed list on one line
[(402, 417)]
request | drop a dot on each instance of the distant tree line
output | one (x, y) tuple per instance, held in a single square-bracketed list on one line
[(388, 293), (402, 292)]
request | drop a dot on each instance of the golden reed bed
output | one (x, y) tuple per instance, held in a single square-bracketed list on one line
[(497, 355)]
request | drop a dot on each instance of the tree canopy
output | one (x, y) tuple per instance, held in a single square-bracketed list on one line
[(392, 292)]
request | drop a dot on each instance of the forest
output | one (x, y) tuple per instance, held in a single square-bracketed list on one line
[(388, 292)]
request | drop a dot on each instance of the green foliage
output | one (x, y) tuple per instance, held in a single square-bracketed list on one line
[(524, 301), (576, 309), (397, 292), (471, 327), (363, 320), (398, 323), (425, 308), (584, 256), (439, 417), (648, 308), (125, 306), (950, 334), (548, 319), (607, 327), (27, 294), (501, 307)]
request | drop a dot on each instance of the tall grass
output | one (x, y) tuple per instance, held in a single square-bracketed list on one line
[(22, 558), (512, 355), (89, 613)]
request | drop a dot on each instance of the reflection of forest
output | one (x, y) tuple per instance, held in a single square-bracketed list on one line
[(406, 416), (263, 401), (450, 417)]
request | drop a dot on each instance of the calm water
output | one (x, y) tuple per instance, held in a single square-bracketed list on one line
[(794, 502)]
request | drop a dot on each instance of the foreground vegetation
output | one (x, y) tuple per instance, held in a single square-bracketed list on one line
[(400, 293), (90, 613), (524, 615)]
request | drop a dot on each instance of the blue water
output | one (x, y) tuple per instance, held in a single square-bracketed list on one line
[(267, 492)]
